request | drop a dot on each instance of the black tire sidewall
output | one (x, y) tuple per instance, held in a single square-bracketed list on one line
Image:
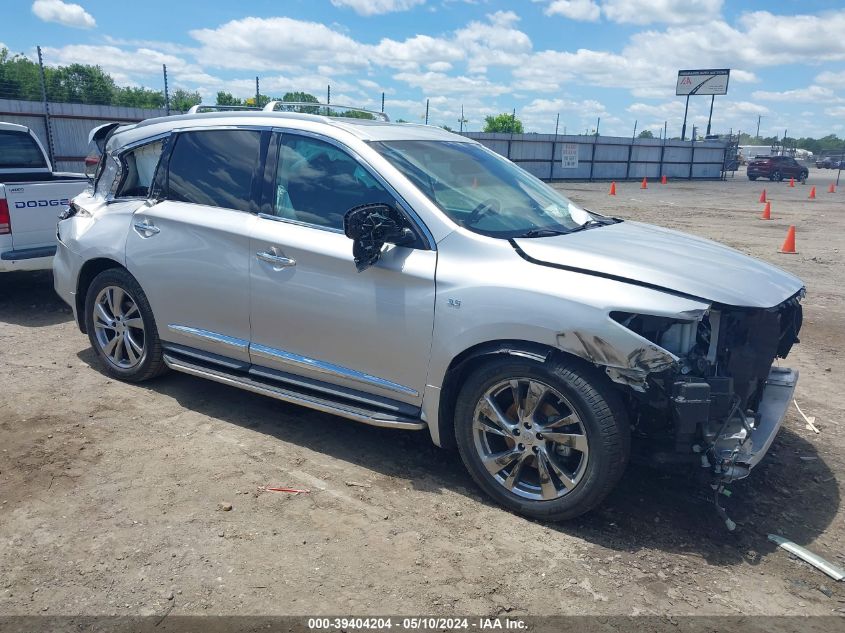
[(604, 466), (151, 360)]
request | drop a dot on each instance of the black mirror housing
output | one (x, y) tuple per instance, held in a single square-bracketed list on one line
[(370, 227)]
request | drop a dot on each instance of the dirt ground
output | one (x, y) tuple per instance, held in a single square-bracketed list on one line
[(110, 493)]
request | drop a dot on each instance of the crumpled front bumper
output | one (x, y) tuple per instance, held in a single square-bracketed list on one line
[(780, 386)]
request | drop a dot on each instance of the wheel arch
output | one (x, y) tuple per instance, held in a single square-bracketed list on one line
[(87, 273), (471, 358)]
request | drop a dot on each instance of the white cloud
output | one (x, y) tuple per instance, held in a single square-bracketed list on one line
[(828, 78), (63, 13), (583, 10), (588, 107), (376, 7), (810, 94), (667, 11), (440, 83), (835, 112), (278, 43)]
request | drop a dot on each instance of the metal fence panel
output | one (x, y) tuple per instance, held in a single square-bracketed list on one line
[(606, 157)]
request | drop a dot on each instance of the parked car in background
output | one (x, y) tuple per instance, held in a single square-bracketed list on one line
[(829, 162), (406, 277), (776, 168), (32, 196)]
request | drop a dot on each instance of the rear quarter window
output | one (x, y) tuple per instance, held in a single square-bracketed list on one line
[(214, 168), (18, 150)]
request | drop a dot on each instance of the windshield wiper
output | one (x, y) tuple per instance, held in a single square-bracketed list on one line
[(544, 232)]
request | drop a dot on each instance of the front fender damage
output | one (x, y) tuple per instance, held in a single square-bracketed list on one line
[(630, 368)]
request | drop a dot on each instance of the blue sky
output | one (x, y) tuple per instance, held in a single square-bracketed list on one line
[(614, 59)]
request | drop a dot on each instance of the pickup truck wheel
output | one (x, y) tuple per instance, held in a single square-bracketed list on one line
[(547, 441), (121, 327)]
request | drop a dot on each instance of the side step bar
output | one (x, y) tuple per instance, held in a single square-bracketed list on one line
[(351, 412)]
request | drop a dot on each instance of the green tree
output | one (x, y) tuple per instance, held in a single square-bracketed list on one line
[(505, 122), (302, 97), (133, 97), (356, 114), (80, 83), (645, 134), (19, 77), (182, 100), (226, 99)]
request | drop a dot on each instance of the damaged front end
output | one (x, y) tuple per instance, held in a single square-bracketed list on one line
[(722, 403)]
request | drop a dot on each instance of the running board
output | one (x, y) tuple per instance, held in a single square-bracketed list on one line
[(373, 418)]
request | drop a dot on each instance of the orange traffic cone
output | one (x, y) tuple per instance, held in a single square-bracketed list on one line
[(789, 243), (767, 212), (813, 193), (763, 196), (792, 182), (664, 180), (612, 191), (644, 184), (831, 188)]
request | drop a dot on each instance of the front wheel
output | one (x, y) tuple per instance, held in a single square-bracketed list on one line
[(777, 176), (121, 327), (548, 441)]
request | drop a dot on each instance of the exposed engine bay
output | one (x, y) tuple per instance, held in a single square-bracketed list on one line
[(722, 403)]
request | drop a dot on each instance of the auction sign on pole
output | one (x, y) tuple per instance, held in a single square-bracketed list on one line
[(713, 81)]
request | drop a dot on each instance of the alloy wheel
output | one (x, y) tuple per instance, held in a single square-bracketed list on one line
[(530, 439), (118, 327)]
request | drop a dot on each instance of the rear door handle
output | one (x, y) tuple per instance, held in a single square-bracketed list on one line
[(277, 261), (146, 229)]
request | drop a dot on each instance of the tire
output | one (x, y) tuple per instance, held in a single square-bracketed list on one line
[(803, 178), (591, 446), (124, 333), (752, 178), (776, 176)]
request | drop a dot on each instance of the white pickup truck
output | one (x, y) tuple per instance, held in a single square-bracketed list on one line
[(32, 196)]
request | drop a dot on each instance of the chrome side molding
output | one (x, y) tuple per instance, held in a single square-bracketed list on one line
[(328, 369), (236, 343)]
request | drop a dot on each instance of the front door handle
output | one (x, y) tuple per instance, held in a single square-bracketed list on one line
[(278, 261), (145, 229)]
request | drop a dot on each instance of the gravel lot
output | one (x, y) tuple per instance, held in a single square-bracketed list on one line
[(111, 493)]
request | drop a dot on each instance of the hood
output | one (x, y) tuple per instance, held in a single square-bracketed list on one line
[(658, 257)]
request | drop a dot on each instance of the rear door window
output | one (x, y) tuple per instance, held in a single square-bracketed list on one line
[(18, 150), (139, 167), (214, 168)]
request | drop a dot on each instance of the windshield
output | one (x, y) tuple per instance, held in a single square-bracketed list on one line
[(482, 191)]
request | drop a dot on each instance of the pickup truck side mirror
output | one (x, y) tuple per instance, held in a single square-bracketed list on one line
[(370, 227)]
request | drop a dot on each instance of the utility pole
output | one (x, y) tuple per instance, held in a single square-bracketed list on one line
[(382, 102), (557, 123), (513, 122), (257, 93), (759, 116), (48, 123), (462, 120), (426, 111), (166, 93), (710, 118)]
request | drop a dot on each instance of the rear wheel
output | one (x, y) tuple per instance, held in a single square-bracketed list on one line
[(121, 327), (548, 441)]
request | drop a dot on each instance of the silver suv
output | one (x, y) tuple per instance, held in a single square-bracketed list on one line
[(406, 277)]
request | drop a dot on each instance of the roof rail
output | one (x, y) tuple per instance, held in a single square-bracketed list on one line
[(219, 108), (326, 107)]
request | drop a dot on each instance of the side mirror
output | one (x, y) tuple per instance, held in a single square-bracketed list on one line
[(370, 227)]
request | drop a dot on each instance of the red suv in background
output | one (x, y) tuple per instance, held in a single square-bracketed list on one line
[(776, 168)]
